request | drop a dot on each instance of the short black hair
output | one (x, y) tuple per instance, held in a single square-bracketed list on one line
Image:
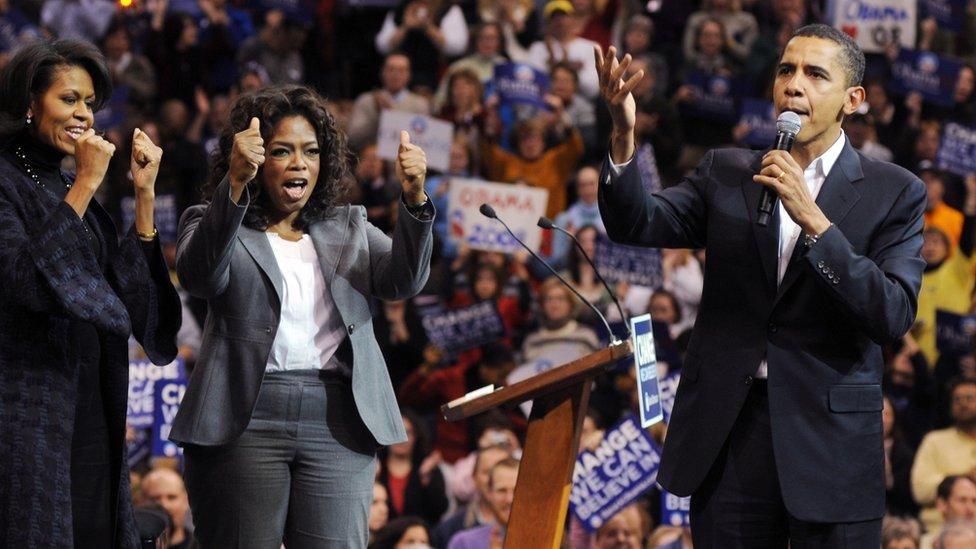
[(389, 535), (945, 487), (851, 56), (496, 354), (31, 72), (959, 380)]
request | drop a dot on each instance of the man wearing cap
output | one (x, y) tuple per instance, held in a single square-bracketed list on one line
[(562, 43), (776, 429)]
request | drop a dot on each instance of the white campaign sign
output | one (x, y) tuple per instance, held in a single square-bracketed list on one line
[(432, 135), (519, 205), (876, 23)]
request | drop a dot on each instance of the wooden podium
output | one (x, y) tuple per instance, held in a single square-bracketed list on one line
[(560, 396)]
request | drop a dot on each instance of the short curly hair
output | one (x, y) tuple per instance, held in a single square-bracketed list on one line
[(271, 105)]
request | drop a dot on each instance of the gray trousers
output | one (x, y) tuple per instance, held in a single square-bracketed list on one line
[(302, 472)]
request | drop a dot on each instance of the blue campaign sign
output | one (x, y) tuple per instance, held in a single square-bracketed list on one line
[(619, 471), (113, 113), (957, 150), (462, 329), (760, 116), (954, 333), (166, 215), (143, 379), (191, 7), (167, 395), (714, 97), (518, 83), (647, 162), (645, 363), (632, 264), (950, 14), (927, 73), (675, 510), (669, 388)]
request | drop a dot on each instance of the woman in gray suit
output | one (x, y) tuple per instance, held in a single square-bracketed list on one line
[(290, 397)]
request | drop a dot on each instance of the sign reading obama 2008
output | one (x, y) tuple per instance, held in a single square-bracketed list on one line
[(519, 205)]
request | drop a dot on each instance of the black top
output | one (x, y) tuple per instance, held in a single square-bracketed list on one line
[(45, 161)]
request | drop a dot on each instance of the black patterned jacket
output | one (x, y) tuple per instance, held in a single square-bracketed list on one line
[(50, 279)]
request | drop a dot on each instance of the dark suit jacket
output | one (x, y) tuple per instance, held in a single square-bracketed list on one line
[(820, 329), (50, 280), (234, 268)]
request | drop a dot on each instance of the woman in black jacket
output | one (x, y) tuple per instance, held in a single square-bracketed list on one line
[(71, 294)]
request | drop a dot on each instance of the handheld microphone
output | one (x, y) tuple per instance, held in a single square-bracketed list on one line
[(489, 212), (547, 223), (787, 126)]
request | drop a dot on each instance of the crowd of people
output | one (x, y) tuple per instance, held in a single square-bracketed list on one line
[(179, 66)]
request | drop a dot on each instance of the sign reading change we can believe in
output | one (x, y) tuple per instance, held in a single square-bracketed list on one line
[(645, 363), (616, 473)]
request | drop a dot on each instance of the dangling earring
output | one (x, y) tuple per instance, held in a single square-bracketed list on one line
[(29, 119)]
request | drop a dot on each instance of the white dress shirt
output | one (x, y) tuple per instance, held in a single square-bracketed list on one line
[(309, 330), (789, 232)]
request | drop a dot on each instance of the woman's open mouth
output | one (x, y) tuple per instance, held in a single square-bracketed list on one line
[(295, 188)]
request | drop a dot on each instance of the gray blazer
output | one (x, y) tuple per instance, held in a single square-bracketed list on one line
[(234, 269)]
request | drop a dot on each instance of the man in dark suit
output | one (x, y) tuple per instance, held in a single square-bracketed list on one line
[(776, 430)]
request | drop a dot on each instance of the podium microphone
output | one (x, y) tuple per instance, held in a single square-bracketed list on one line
[(489, 212), (547, 223), (787, 126)]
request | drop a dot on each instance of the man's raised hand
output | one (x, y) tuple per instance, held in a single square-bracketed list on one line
[(616, 92)]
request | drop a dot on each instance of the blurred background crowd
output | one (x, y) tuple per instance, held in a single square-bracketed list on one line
[(179, 64)]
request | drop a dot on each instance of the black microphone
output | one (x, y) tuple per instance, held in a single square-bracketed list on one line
[(787, 126), (489, 212), (547, 223)]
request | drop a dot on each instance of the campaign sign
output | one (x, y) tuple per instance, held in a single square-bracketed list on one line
[(675, 510), (954, 333), (462, 329), (874, 24), (143, 378), (165, 215), (189, 7), (519, 205), (645, 365), (167, 395), (949, 14), (713, 98), (518, 83), (760, 116), (669, 389), (430, 134), (631, 264), (927, 73), (957, 151), (112, 114), (647, 163), (137, 448), (622, 468)]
